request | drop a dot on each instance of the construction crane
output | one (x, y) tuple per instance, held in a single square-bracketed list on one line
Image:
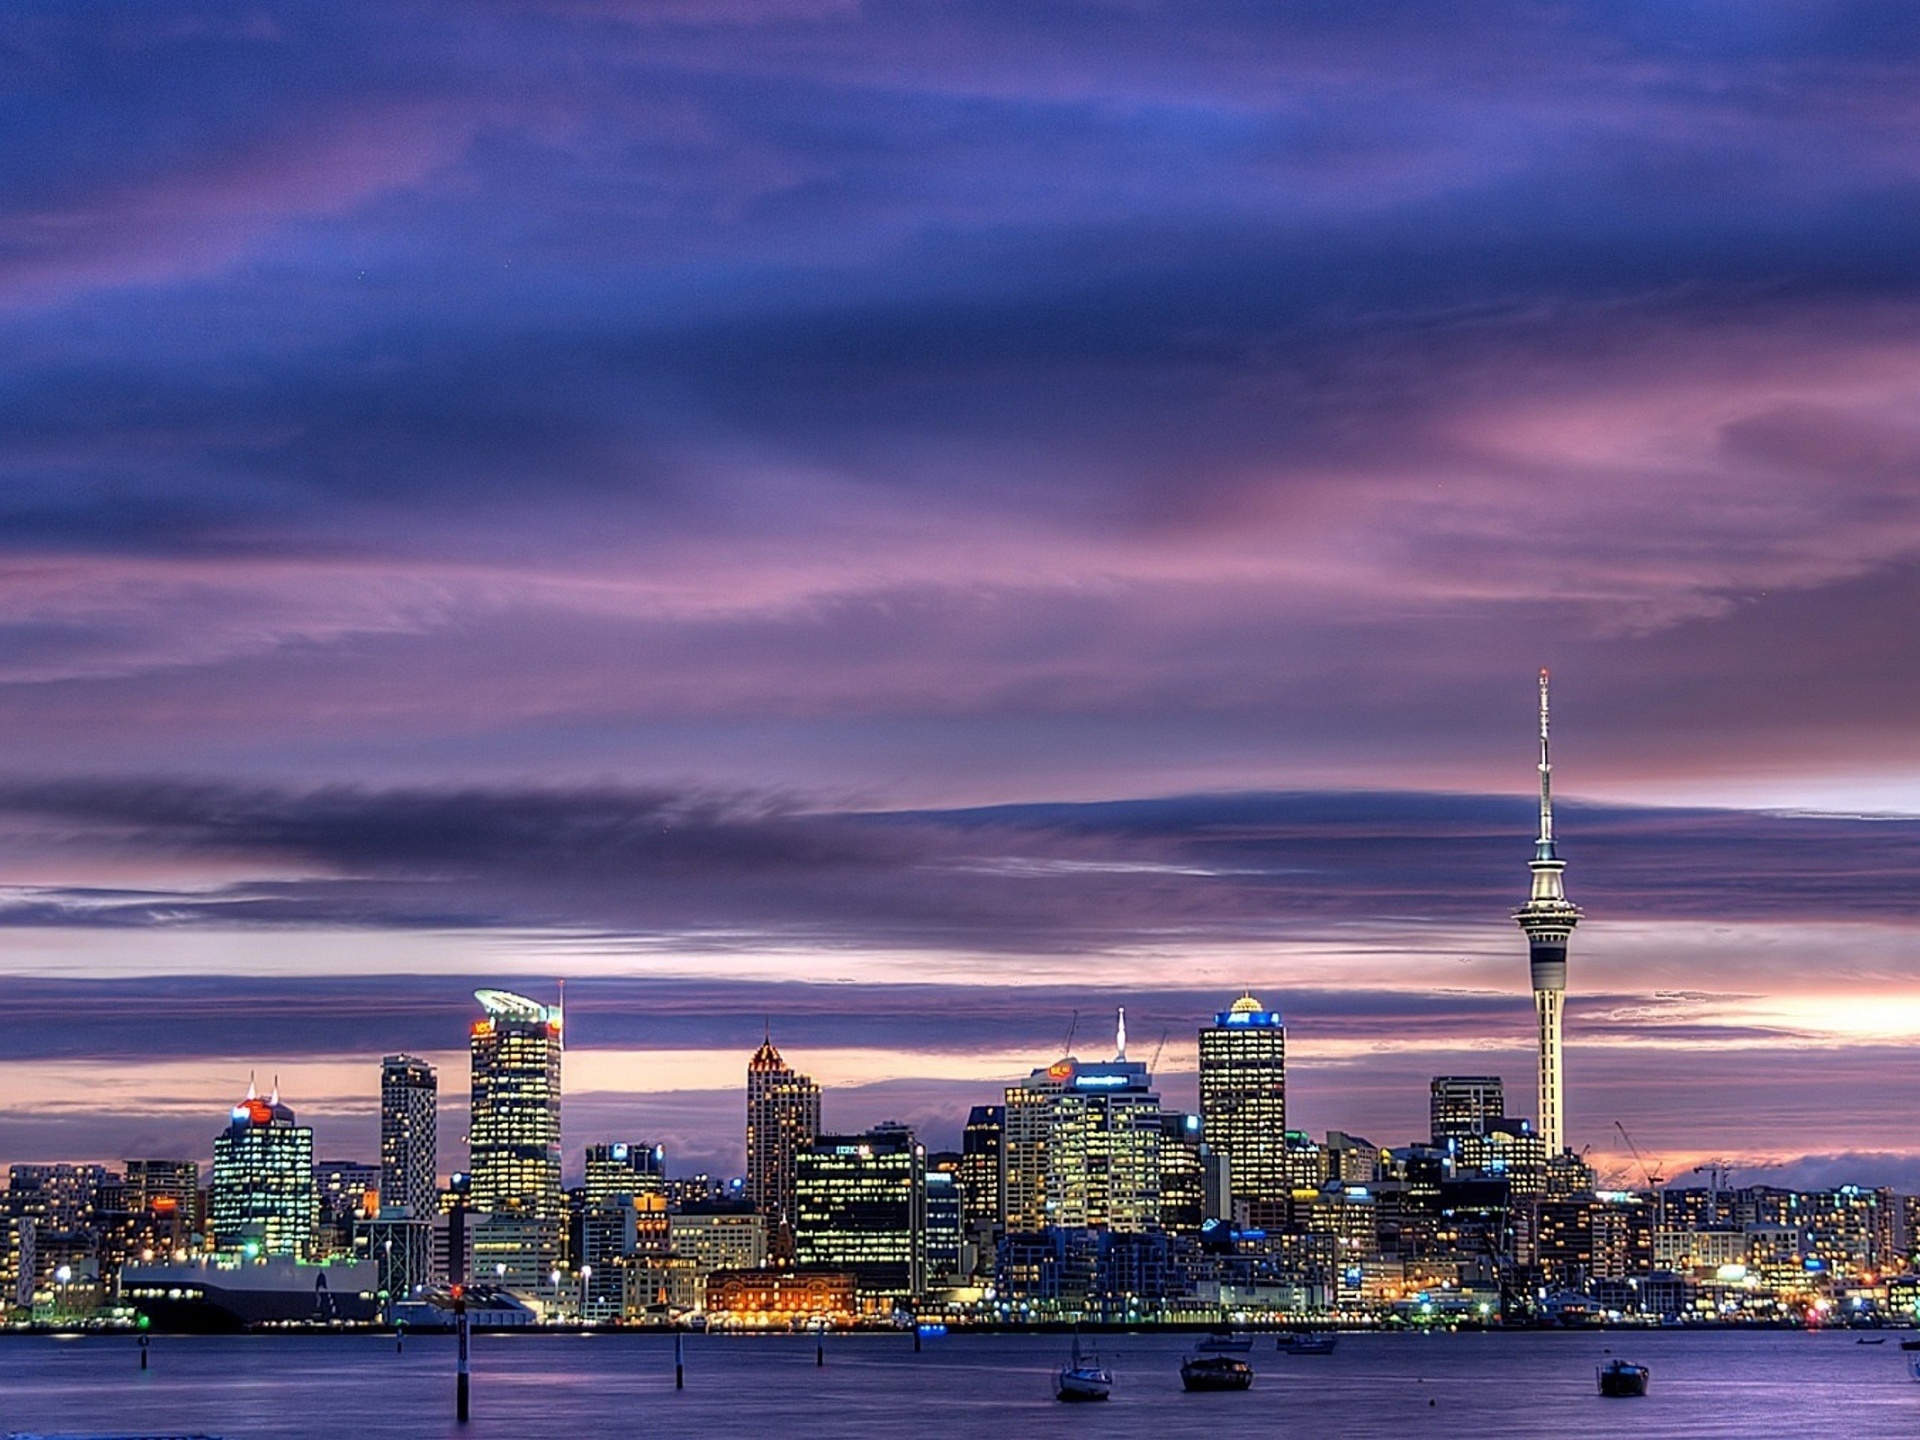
[(1066, 1050), (1154, 1063), (1648, 1172), (1656, 1182)]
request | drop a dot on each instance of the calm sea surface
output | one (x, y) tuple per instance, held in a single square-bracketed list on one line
[(996, 1386)]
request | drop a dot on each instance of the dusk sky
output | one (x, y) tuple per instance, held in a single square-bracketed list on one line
[(905, 521)]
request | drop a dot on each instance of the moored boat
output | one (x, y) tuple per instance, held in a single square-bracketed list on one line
[(1083, 1377), (1308, 1342), (1225, 1342), (1215, 1371), (1620, 1378)]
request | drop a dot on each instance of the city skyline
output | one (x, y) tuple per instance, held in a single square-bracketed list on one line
[(912, 521)]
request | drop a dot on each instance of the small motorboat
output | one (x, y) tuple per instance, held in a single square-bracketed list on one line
[(1202, 1371), (1620, 1378), (1871, 1340), (1083, 1377), (1225, 1342), (1308, 1342), (1910, 1344)]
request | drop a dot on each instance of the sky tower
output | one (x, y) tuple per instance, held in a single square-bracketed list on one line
[(1548, 918)]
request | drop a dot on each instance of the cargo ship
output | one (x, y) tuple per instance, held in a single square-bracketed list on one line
[(207, 1297)]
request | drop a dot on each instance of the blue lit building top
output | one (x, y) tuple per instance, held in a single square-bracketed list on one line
[(1247, 1013)]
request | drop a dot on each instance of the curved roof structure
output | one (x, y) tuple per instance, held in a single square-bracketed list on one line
[(505, 1005)]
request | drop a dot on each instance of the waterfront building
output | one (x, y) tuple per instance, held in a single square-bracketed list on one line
[(151, 1211), (982, 1162), (514, 1141), (624, 1168), (1082, 1144), (783, 1118), (1183, 1175), (349, 1192), (983, 1182), (60, 1198), (1243, 1097), (409, 1137), (263, 1199), (860, 1206), (399, 1234), (718, 1238), (781, 1299), (946, 1229), (17, 1263), (1548, 919), (1463, 1104)]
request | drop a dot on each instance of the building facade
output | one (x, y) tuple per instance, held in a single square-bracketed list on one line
[(514, 1141), (264, 1203), (1461, 1105), (409, 1138), (1243, 1097), (860, 1206), (783, 1119), (1082, 1144)]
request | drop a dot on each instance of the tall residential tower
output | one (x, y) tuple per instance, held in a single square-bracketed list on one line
[(409, 1136), (783, 1118), (1548, 919)]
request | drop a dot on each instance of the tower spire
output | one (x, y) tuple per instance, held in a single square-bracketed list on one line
[(1548, 919), (1546, 778), (1120, 1036)]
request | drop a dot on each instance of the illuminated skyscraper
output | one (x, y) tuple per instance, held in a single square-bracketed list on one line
[(860, 1205), (783, 1118), (514, 1138), (264, 1202), (1548, 919), (1082, 1145), (981, 1167), (1243, 1097), (409, 1137)]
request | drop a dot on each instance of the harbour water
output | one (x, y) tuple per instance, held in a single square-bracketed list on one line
[(571, 1387)]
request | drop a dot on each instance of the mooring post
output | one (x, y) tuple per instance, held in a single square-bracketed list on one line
[(143, 1352), (461, 1380), (820, 1351), (679, 1361)]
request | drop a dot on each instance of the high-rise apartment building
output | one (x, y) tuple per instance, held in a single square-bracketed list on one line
[(860, 1205), (59, 1198), (513, 1141), (263, 1201), (409, 1138), (1462, 1105), (783, 1118), (1243, 1097)]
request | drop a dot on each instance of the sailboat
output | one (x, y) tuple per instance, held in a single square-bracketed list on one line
[(1083, 1377)]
